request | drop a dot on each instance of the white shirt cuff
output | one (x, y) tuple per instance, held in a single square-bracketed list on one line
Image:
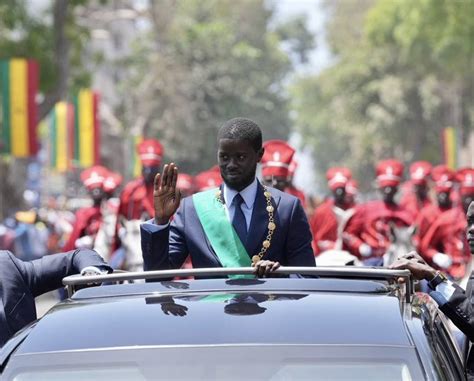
[(151, 227), (446, 289), (93, 270)]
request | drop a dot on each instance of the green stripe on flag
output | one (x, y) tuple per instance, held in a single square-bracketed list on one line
[(5, 107)]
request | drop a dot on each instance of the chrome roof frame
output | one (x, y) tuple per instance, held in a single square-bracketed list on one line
[(369, 273)]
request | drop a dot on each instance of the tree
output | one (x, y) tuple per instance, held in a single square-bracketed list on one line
[(203, 63), (52, 37), (390, 91)]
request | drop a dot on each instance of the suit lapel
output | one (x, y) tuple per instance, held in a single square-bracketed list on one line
[(208, 243), (259, 223)]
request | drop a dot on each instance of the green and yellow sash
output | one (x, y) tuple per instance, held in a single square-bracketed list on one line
[(220, 232)]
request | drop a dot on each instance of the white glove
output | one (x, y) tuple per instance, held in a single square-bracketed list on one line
[(84, 242), (365, 250), (442, 260)]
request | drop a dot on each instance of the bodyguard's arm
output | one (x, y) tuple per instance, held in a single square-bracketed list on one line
[(459, 309), (46, 274)]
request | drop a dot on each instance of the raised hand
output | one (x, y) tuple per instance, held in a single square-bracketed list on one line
[(166, 197)]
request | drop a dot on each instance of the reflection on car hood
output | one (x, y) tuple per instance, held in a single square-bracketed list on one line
[(238, 316)]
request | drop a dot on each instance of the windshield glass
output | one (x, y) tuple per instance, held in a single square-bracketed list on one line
[(227, 363)]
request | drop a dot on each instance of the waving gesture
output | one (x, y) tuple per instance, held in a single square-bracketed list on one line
[(166, 197)]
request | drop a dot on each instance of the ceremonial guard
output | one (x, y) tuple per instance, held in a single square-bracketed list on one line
[(88, 220), (330, 219), (136, 200), (208, 179), (444, 244), (276, 163), (104, 240), (444, 180), (371, 221), (417, 196), (291, 188)]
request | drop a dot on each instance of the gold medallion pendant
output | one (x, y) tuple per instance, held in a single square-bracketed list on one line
[(255, 259)]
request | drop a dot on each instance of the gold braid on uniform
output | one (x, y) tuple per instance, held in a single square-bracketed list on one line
[(271, 224)]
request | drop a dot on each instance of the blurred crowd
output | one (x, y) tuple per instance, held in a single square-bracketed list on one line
[(425, 212)]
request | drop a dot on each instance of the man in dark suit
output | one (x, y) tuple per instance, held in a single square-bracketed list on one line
[(456, 303), (240, 224), (21, 282)]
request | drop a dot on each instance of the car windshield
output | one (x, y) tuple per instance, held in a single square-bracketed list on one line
[(229, 363)]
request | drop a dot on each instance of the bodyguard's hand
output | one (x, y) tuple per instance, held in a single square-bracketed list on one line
[(166, 197), (417, 266), (265, 268)]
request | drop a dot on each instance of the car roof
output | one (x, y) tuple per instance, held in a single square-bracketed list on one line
[(220, 311)]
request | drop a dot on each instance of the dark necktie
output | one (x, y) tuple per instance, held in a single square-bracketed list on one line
[(238, 221)]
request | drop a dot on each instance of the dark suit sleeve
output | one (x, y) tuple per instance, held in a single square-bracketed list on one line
[(459, 309), (46, 274), (166, 249), (298, 244)]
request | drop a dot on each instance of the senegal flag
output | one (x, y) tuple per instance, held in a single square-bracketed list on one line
[(86, 129), (18, 110), (61, 132)]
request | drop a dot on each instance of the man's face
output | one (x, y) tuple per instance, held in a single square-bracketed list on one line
[(149, 173), (97, 194), (278, 182), (467, 199), (339, 195), (470, 226), (388, 194), (421, 191), (237, 161), (443, 199)]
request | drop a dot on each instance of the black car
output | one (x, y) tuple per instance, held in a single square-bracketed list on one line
[(346, 324)]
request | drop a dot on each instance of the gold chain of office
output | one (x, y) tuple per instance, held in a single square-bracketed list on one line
[(271, 224)]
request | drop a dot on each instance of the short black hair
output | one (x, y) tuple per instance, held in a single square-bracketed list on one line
[(242, 129)]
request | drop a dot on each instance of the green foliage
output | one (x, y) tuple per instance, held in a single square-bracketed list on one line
[(212, 61), (432, 33), (402, 70), (30, 35)]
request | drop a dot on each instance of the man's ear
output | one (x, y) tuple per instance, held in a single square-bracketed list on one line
[(260, 153)]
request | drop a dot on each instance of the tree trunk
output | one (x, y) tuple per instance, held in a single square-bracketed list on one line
[(61, 52)]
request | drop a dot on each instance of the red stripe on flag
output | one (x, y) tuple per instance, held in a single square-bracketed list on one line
[(70, 119), (95, 109), (32, 80)]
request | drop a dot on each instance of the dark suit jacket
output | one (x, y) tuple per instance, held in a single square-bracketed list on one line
[(459, 308), (21, 282), (291, 242)]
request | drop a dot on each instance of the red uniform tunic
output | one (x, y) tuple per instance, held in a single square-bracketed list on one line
[(425, 219), (297, 193), (370, 223), (412, 204), (447, 234), (324, 226), (136, 201), (88, 221)]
